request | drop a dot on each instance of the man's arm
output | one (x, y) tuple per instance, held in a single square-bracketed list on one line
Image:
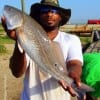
[(18, 62), (74, 68)]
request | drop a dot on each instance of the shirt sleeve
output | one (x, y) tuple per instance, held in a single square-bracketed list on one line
[(75, 50)]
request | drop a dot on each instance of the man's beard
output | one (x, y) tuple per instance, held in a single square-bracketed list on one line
[(49, 27)]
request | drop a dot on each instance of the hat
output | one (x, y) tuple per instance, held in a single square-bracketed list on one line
[(65, 13)]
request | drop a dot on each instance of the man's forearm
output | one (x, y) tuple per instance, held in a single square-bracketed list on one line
[(74, 68), (18, 62)]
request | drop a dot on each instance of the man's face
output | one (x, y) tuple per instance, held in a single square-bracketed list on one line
[(49, 17)]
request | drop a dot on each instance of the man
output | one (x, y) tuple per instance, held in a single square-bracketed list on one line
[(51, 16)]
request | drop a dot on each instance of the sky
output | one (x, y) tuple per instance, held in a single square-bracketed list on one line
[(82, 10)]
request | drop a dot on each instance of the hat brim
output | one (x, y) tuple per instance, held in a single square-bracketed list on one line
[(65, 13)]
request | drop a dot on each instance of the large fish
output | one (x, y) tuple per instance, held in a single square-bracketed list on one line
[(39, 47)]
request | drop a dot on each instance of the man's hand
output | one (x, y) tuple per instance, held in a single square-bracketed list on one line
[(74, 71), (67, 88), (10, 33)]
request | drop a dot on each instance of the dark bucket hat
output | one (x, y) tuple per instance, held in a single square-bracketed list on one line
[(65, 13)]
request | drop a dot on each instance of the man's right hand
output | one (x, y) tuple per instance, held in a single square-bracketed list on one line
[(10, 33)]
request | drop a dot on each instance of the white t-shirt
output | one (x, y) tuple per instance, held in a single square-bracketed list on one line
[(38, 86)]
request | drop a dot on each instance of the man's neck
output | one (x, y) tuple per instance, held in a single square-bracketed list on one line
[(52, 33)]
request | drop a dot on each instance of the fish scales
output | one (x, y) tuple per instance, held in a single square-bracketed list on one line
[(39, 45)]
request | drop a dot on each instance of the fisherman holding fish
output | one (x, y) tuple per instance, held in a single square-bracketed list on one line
[(39, 85)]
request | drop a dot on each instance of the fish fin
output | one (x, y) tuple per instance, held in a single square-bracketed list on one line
[(82, 88), (86, 88), (81, 91)]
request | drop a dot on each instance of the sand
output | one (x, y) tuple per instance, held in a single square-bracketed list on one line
[(10, 87)]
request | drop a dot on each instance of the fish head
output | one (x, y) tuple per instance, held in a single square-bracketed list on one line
[(13, 17)]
